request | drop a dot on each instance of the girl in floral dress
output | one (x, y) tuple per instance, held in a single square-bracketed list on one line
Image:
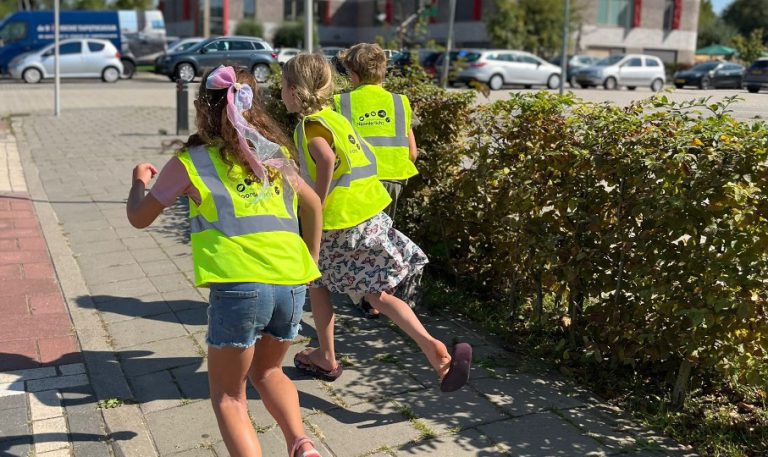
[(361, 254)]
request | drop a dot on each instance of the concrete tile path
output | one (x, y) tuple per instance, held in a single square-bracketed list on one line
[(141, 328)]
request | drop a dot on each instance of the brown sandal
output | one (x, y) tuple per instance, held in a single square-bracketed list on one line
[(299, 443)]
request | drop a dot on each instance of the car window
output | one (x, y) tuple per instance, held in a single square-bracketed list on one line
[(258, 45), (71, 48), (236, 45), (13, 31), (184, 46), (94, 46), (651, 62), (731, 67), (760, 64), (218, 46), (633, 62), (527, 59)]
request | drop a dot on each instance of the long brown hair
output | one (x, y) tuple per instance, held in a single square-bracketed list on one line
[(214, 128)]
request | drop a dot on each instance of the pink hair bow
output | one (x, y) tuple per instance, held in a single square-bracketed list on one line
[(263, 153)]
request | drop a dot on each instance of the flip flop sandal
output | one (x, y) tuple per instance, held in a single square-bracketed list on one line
[(368, 310), (317, 372), (458, 374), (300, 442)]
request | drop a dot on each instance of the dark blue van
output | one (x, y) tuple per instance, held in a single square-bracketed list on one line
[(134, 33)]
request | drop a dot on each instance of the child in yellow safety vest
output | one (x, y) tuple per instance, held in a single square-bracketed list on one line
[(383, 119), (243, 191), (361, 254)]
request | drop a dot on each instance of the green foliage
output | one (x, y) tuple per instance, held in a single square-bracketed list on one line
[(249, 27), (713, 29), (291, 35), (750, 48), (110, 403), (89, 5), (533, 25), (747, 15), (132, 5)]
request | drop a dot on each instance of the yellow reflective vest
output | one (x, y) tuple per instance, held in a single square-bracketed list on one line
[(355, 194), (384, 121), (235, 239)]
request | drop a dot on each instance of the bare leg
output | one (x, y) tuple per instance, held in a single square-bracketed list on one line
[(275, 388), (404, 317), (227, 371), (322, 311)]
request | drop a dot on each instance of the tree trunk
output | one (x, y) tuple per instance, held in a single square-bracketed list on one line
[(681, 384)]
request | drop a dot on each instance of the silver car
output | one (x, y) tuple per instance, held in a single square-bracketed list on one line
[(500, 67), (632, 71), (78, 58)]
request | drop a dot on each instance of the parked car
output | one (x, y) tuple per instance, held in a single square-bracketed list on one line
[(407, 57), (756, 76), (574, 64), (710, 75), (78, 58), (252, 53), (175, 46), (286, 54), (499, 67), (630, 70)]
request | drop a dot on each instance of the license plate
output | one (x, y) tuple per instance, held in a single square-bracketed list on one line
[(680, 81), (756, 72)]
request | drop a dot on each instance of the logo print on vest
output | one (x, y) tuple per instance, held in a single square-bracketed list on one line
[(241, 188), (351, 139), (382, 113), (277, 190)]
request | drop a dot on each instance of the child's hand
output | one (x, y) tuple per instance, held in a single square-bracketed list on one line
[(144, 172)]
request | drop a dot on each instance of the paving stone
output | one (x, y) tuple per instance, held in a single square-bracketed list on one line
[(101, 260), (372, 379), (522, 393), (186, 299), (74, 368), (19, 447), (148, 255), (50, 435), (58, 382), (106, 275), (118, 309), (135, 332), (127, 288), (170, 282), (27, 375), (91, 449), (127, 431), (193, 381), (446, 412), (13, 424), (12, 402), (158, 267), (155, 391), (184, 427), (106, 375), (78, 400), (392, 429), (461, 444), (201, 452), (11, 388), (195, 320), (542, 434), (45, 405), (159, 355)]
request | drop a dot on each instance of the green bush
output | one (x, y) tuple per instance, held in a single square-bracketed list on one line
[(291, 35), (249, 27)]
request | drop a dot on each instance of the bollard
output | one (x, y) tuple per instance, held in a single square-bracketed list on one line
[(182, 108)]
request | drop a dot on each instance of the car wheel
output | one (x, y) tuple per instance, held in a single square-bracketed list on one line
[(679, 86), (657, 85), (185, 72), (528, 86), (553, 82), (753, 89), (585, 86), (610, 83), (572, 81), (32, 75), (496, 82), (110, 75), (631, 87), (129, 68), (261, 72), (705, 83)]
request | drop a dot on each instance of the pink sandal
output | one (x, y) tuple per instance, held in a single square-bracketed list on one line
[(299, 443)]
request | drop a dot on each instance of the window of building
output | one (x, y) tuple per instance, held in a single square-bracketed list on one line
[(665, 55), (293, 10), (616, 12), (669, 15), (249, 8)]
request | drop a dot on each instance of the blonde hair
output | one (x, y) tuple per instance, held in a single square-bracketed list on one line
[(367, 60), (311, 75)]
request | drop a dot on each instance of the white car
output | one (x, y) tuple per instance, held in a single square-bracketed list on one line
[(500, 67), (286, 54), (631, 71), (78, 58)]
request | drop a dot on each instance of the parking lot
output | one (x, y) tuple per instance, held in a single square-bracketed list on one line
[(151, 90)]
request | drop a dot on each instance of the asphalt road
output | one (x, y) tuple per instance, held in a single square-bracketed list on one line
[(147, 89)]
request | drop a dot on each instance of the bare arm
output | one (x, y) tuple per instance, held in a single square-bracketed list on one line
[(413, 152), (311, 215), (324, 158), (142, 209)]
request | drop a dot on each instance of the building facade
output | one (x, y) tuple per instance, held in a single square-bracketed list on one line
[(665, 28)]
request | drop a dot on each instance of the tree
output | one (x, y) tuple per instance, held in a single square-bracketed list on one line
[(291, 35), (751, 48), (249, 27), (713, 29), (89, 5), (132, 5), (748, 15), (533, 25)]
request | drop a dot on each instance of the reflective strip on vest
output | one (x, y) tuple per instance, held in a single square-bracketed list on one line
[(346, 179), (400, 138), (228, 223)]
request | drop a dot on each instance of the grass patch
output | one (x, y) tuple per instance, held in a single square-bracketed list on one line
[(149, 68), (425, 432), (111, 403)]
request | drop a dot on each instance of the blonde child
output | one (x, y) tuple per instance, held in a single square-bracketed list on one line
[(361, 255), (246, 248)]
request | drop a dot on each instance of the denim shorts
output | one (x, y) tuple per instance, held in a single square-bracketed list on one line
[(239, 313)]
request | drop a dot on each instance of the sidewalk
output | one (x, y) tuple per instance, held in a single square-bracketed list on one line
[(141, 329)]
